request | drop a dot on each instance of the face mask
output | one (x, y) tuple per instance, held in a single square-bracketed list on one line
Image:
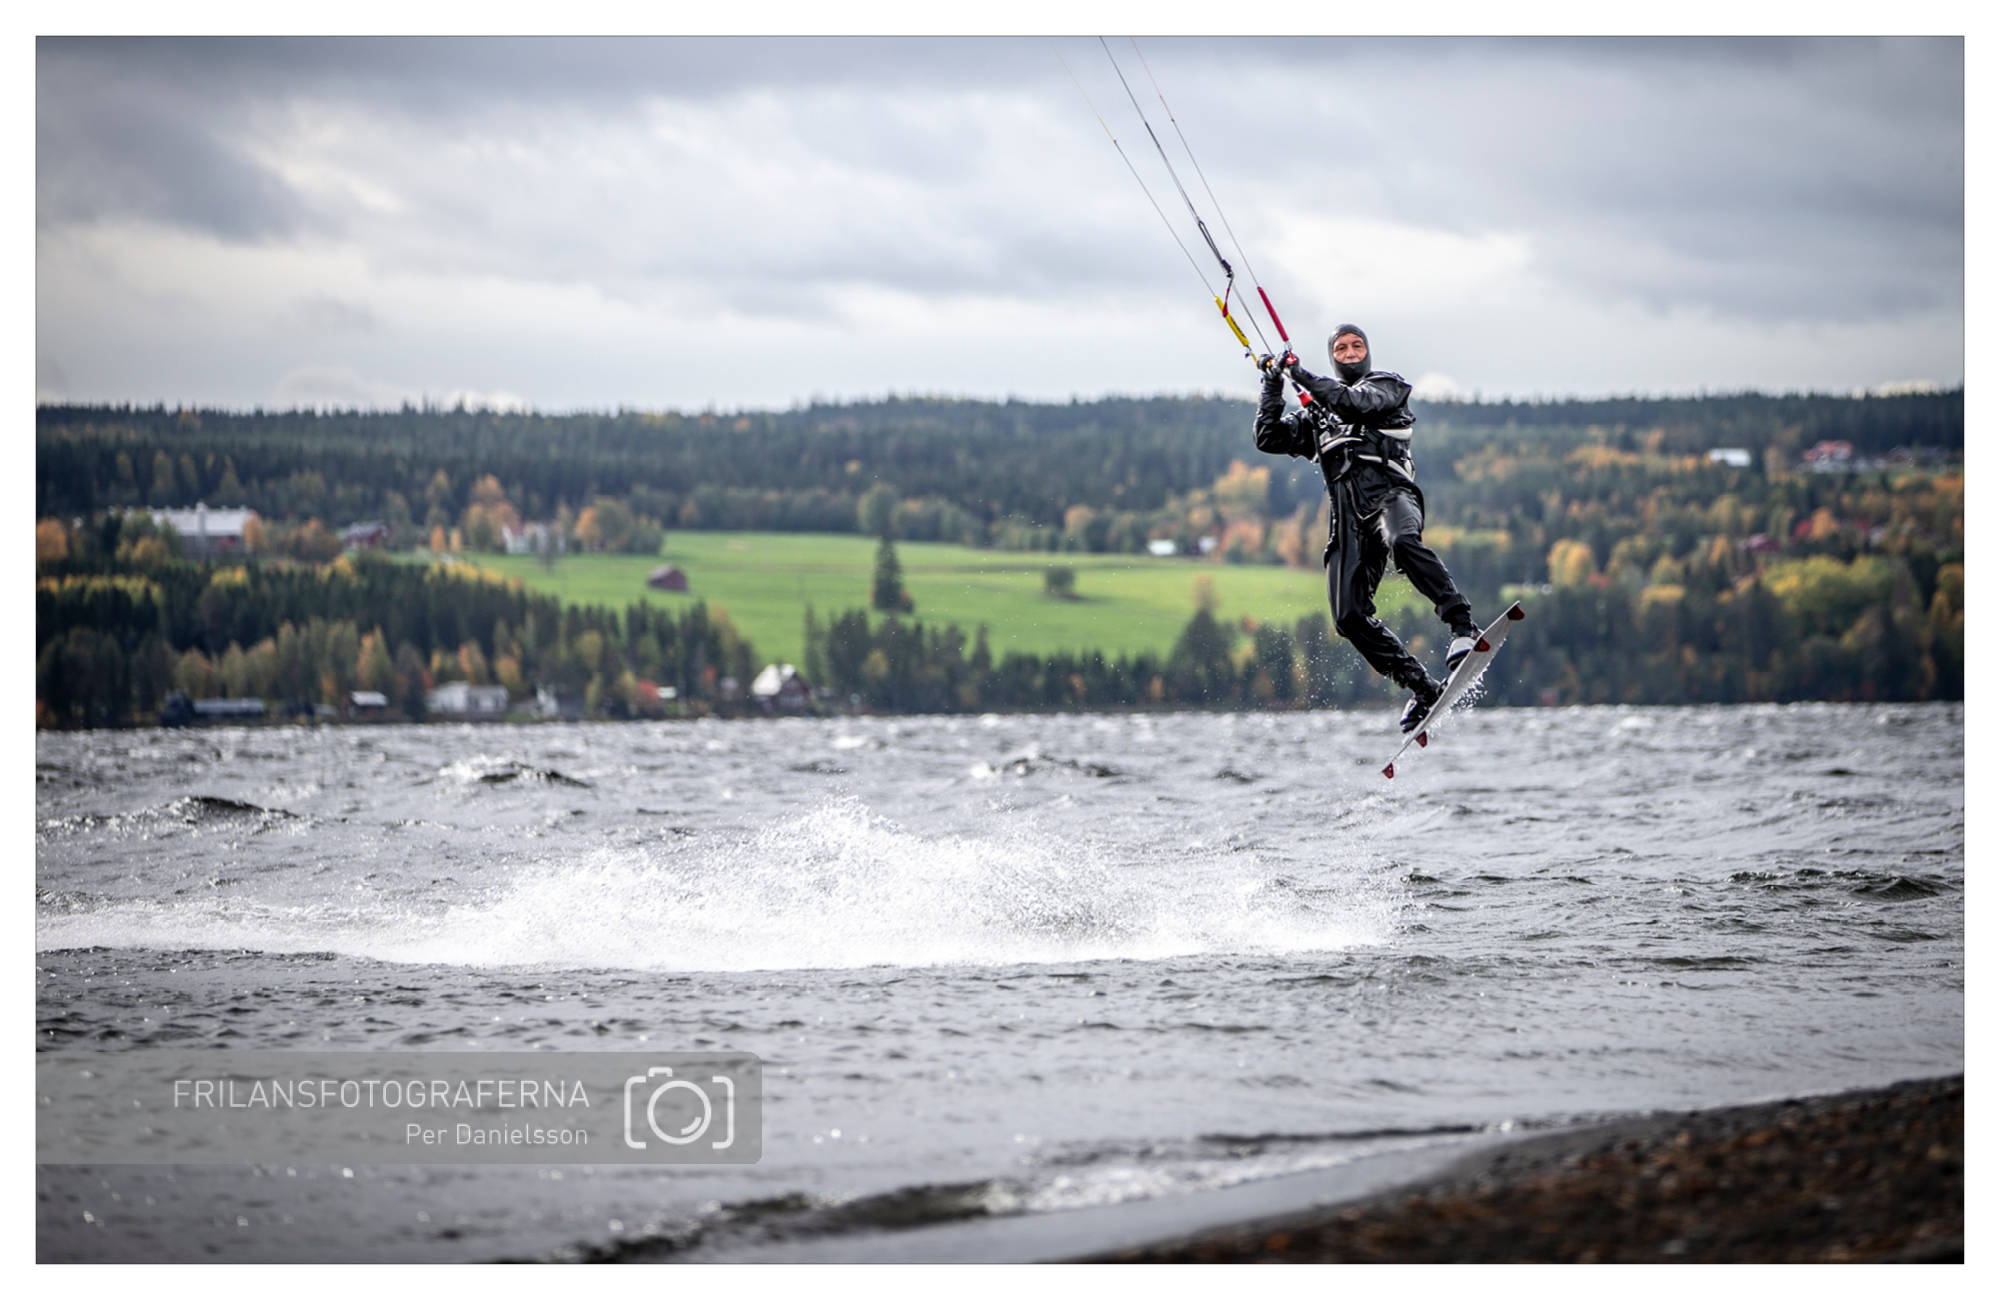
[(1348, 374)]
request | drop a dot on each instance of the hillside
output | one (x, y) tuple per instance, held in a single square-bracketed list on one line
[(1663, 574)]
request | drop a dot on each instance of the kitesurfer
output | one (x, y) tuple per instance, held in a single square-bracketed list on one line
[(1357, 426)]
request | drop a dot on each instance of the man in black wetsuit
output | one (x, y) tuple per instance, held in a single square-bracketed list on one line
[(1357, 426)]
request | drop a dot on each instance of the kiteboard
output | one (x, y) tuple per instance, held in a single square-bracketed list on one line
[(1461, 680)]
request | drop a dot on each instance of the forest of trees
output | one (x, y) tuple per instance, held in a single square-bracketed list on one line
[(986, 473), (1816, 632), (122, 619), (1656, 574)]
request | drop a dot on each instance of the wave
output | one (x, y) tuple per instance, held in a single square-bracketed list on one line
[(1092, 1177), (487, 769), (190, 813), (834, 888)]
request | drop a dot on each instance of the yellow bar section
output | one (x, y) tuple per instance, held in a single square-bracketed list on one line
[(1234, 328)]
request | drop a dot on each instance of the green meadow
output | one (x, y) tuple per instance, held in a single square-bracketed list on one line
[(1123, 603)]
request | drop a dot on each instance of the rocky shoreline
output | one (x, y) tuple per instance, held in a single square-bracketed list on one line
[(1872, 1176)]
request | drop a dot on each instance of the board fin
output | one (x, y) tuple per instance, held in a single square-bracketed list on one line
[(1516, 613), (1423, 738), (1483, 647), (1390, 771)]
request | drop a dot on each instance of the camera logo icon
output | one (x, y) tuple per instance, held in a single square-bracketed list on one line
[(679, 1112)]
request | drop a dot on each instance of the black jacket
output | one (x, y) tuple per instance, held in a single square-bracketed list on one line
[(1359, 433)]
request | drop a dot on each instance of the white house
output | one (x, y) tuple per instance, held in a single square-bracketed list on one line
[(366, 535), (465, 701), (530, 539), (206, 532), (556, 702), (780, 687)]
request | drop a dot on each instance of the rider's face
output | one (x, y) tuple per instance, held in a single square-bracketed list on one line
[(1349, 350)]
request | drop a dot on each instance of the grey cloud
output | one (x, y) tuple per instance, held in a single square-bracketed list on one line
[(1817, 177), (1775, 179), (332, 386), (1768, 179), (446, 74), (323, 314), (51, 379), (141, 150), (550, 207), (1457, 130)]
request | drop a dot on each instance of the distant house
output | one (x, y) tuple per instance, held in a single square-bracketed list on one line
[(180, 710), (367, 703), (367, 535), (558, 702), (464, 701), (530, 539), (668, 577), (1761, 544), (1734, 457), (207, 533), (1829, 455), (780, 689), (1161, 546)]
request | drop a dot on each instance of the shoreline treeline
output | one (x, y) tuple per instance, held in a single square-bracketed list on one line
[(1580, 645), (123, 625)]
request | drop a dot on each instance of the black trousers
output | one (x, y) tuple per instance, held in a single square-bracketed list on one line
[(1356, 561)]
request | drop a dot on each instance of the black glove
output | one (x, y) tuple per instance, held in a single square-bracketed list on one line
[(1269, 365)]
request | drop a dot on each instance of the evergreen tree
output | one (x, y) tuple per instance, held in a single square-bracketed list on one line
[(1198, 670), (886, 592), (815, 656)]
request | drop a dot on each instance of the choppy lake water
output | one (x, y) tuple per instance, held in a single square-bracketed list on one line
[(1001, 965)]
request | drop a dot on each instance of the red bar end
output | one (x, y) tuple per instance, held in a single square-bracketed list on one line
[(1274, 314)]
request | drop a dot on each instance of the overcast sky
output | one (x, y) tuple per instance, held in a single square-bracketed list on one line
[(577, 223)]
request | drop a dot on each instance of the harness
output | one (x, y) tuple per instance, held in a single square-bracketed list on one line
[(1340, 445)]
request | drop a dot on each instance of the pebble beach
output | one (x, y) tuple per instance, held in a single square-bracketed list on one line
[(1876, 1176)]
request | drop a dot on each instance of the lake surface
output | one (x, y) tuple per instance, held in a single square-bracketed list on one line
[(1005, 965)]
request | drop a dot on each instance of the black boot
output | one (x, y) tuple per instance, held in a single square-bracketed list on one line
[(1423, 695)]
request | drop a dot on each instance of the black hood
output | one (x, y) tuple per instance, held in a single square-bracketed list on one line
[(1348, 374)]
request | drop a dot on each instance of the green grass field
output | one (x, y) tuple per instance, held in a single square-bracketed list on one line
[(1125, 603)]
